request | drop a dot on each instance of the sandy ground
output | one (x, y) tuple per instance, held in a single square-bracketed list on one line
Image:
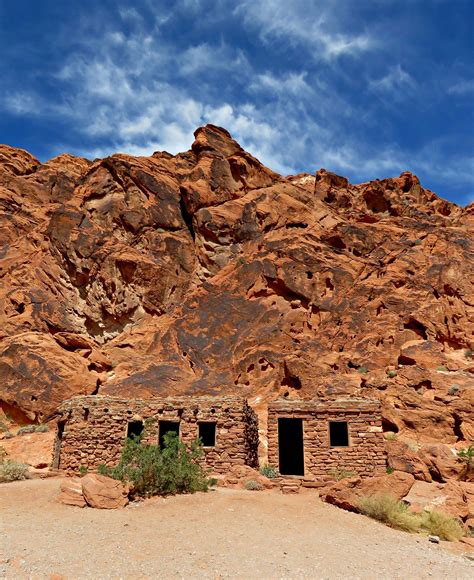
[(221, 534)]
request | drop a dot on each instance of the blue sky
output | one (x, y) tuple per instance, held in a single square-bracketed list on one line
[(365, 88)]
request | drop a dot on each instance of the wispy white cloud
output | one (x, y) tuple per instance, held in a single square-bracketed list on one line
[(316, 26), (463, 87), (395, 82)]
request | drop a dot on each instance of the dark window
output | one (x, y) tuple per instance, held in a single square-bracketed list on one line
[(290, 446), (167, 427), (207, 434), (134, 429), (338, 434)]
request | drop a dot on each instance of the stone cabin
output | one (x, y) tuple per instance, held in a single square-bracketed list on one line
[(313, 439), (305, 438), (92, 429)]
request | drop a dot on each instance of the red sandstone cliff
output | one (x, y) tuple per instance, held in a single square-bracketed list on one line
[(206, 272)]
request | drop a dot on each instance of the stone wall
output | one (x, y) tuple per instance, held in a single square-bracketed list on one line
[(95, 429), (365, 454)]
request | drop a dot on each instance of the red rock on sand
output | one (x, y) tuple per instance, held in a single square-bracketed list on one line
[(103, 492)]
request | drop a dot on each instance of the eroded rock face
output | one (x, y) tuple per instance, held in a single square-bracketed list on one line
[(207, 273)]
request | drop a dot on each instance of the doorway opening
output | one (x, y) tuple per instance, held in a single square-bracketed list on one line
[(134, 429), (57, 444), (290, 446), (167, 427)]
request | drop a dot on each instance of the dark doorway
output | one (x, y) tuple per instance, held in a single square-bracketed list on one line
[(167, 427), (57, 444), (207, 434), (338, 434), (134, 429), (290, 446)]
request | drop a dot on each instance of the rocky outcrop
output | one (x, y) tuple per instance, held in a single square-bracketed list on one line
[(103, 492), (207, 273), (347, 492), (93, 490)]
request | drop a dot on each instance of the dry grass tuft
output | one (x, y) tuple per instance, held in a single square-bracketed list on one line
[(442, 525), (387, 509)]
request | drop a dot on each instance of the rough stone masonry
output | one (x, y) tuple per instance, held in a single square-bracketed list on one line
[(305, 438), (92, 429)]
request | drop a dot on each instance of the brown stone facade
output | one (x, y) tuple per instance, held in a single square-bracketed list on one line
[(93, 429), (321, 451)]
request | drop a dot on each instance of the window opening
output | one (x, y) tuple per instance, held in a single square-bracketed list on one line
[(338, 434), (207, 434)]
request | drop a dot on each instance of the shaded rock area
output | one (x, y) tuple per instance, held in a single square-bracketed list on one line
[(208, 273)]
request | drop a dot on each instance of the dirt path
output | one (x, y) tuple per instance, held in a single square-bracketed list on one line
[(221, 534)]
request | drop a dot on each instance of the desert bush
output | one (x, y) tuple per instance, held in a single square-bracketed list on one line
[(468, 353), (442, 525), (467, 454), (390, 436), (269, 471), (341, 473), (362, 370), (41, 428), (453, 390), (154, 471), (387, 509), (253, 485), (391, 374), (12, 471), (26, 429), (442, 368)]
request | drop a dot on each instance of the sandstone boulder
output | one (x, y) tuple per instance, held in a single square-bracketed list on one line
[(347, 492), (442, 462), (240, 475), (454, 498), (401, 458), (34, 449), (71, 492), (103, 492)]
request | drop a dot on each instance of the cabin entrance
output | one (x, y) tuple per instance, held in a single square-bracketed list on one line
[(290, 446), (57, 444)]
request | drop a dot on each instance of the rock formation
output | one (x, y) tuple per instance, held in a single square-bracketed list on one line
[(207, 273)]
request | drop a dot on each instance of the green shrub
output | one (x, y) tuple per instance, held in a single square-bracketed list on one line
[(253, 485), (467, 454), (392, 374), (269, 471), (442, 525), (12, 471), (340, 473), (26, 429), (442, 368), (83, 470), (362, 370), (389, 470), (387, 509), (453, 390), (32, 429), (468, 353), (154, 471)]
